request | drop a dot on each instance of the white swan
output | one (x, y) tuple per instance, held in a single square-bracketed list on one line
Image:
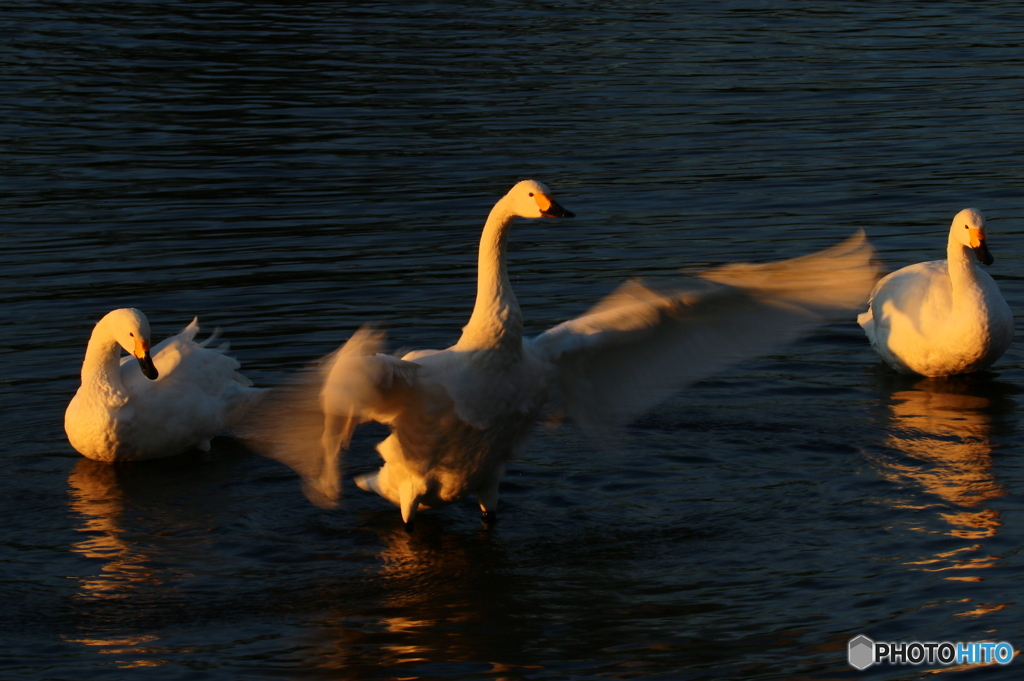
[(942, 317), (458, 416), (177, 397)]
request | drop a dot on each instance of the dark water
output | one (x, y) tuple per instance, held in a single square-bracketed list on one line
[(290, 171)]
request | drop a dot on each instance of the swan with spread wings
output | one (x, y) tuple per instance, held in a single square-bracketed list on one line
[(458, 416)]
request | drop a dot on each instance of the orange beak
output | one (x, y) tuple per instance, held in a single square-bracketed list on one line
[(978, 245), (145, 360), (549, 208)]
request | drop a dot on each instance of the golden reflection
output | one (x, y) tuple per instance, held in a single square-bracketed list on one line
[(447, 598), (100, 501), (432, 581), (127, 645), (983, 609), (98, 498), (942, 429)]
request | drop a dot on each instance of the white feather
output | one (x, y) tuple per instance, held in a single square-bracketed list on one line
[(942, 317), (457, 416), (119, 414)]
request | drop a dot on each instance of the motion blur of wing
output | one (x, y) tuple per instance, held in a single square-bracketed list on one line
[(287, 427), (308, 423), (833, 281), (647, 341)]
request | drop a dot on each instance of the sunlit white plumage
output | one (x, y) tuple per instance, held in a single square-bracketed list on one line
[(942, 317), (458, 416), (176, 397)]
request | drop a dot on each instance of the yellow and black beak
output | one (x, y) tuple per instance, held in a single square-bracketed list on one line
[(980, 247), (145, 360), (549, 208)]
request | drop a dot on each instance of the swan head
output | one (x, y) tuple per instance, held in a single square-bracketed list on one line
[(968, 229), (130, 329), (532, 199)]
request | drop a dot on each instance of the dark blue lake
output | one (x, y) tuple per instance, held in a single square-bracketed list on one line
[(289, 171)]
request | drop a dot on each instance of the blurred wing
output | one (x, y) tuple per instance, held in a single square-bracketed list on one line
[(309, 421), (836, 280), (646, 342), (362, 384)]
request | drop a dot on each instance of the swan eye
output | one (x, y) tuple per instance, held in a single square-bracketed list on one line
[(531, 193)]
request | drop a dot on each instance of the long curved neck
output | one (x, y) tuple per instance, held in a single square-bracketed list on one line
[(102, 363), (496, 321), (963, 272)]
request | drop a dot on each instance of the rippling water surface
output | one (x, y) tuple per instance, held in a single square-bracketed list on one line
[(290, 171)]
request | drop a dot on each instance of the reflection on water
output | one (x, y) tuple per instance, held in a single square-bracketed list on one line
[(100, 501), (144, 533), (432, 585), (943, 430), (98, 498), (293, 170), (446, 598)]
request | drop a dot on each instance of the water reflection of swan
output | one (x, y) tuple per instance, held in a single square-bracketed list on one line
[(444, 595), (98, 498), (944, 428), (135, 514), (434, 579), (141, 532)]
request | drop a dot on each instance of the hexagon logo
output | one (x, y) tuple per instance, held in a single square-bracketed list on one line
[(861, 653)]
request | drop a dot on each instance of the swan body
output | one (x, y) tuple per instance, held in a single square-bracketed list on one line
[(942, 317), (458, 416), (176, 396)]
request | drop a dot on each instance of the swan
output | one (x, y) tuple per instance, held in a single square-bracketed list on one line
[(942, 317), (176, 396), (458, 416)]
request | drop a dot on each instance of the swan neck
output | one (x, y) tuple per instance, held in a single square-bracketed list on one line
[(496, 320), (963, 271), (102, 359)]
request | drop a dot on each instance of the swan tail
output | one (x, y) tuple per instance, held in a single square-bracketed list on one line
[(866, 321), (222, 348), (368, 482), (409, 500)]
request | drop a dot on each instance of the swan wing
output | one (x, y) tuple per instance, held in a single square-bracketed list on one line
[(199, 391), (308, 422), (646, 341), (362, 384)]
